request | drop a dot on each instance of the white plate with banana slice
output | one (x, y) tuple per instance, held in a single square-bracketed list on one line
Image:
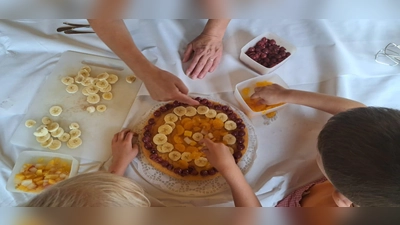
[(79, 107), (198, 187)]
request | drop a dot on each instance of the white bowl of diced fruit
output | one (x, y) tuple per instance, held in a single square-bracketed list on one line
[(34, 171)]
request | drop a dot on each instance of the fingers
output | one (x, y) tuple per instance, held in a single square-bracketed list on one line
[(129, 137), (181, 87), (122, 134), (200, 66), (115, 138), (255, 96), (185, 99), (215, 64), (206, 69), (188, 52), (196, 58), (208, 143)]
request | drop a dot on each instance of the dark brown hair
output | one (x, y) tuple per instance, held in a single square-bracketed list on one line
[(360, 151)]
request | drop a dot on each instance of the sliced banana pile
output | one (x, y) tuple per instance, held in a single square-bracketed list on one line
[(191, 138), (94, 88), (50, 135)]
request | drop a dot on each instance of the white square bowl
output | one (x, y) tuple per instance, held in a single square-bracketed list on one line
[(258, 67), (32, 158), (251, 83)]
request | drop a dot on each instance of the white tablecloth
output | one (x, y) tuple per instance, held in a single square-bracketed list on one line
[(334, 57)]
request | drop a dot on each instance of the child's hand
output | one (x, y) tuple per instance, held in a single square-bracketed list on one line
[(219, 156), (270, 95), (123, 151)]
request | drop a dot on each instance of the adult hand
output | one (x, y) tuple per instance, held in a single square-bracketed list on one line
[(270, 95), (206, 54), (219, 156), (164, 86)]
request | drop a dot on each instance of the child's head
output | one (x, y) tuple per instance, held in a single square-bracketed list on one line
[(98, 189), (360, 154)]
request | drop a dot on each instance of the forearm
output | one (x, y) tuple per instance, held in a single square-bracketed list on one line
[(116, 36), (242, 193), (216, 27), (323, 102)]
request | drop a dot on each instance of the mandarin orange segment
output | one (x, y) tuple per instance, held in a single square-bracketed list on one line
[(217, 124), (263, 83), (188, 125), (180, 147), (206, 127), (191, 149), (185, 121), (245, 92), (196, 155), (196, 129), (178, 139), (179, 130), (183, 164)]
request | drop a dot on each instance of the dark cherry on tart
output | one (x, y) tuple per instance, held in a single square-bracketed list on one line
[(172, 135), (267, 53)]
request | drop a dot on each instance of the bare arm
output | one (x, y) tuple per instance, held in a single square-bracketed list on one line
[(220, 157), (331, 104), (162, 85)]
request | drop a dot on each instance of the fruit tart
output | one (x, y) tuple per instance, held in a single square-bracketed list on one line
[(171, 138)]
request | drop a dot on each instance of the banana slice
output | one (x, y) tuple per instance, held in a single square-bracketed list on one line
[(201, 162), (180, 111), (211, 114), (87, 68), (167, 147), (75, 134), (107, 96), (222, 116), (67, 80), (173, 125), (55, 145), (159, 148), (91, 109), (85, 91), (41, 131), (186, 156), (130, 79), (74, 143), (165, 129), (93, 98), (160, 139), (46, 120), (112, 79), (107, 89), (74, 126), (72, 88), (102, 84), (44, 138), (87, 81), (79, 79), (52, 126), (230, 125), (202, 110), (101, 108), (190, 111), (174, 156), (229, 139), (231, 150), (103, 76), (30, 123), (170, 118), (92, 89), (47, 143), (58, 132), (198, 136), (55, 110), (65, 137), (84, 73)]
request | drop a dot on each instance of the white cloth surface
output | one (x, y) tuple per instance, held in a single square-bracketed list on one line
[(334, 57)]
